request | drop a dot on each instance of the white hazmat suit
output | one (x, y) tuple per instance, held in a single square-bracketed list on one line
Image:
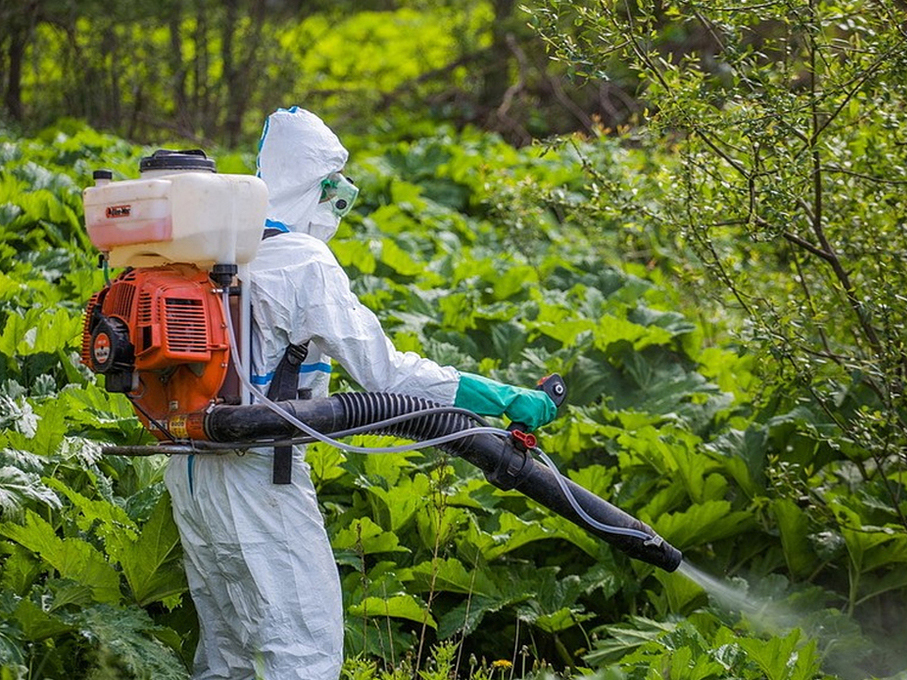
[(260, 568)]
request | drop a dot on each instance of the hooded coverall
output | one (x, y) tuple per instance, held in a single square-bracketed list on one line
[(259, 564)]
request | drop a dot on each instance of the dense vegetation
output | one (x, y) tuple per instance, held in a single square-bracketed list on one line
[(757, 424)]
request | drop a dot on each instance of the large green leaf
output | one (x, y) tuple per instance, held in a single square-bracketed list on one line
[(793, 523), (129, 637), (399, 260), (72, 557), (20, 569), (616, 641), (366, 536), (38, 624), (39, 331), (778, 660), (703, 523), (397, 606), (510, 533), (107, 519), (450, 575), (466, 617), (870, 547), (151, 562), (401, 501), (18, 487)]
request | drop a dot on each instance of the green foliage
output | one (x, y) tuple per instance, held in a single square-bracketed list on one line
[(700, 648), (787, 125), (783, 126), (87, 542), (660, 422)]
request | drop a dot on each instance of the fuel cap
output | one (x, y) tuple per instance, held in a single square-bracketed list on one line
[(185, 159)]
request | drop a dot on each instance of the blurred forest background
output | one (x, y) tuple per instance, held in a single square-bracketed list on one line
[(208, 70), (694, 211)]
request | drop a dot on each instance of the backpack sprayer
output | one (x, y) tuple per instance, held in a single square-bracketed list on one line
[(172, 334)]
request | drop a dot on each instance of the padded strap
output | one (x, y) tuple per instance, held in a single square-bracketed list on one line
[(284, 387)]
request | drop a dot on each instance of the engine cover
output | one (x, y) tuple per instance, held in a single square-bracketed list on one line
[(159, 335)]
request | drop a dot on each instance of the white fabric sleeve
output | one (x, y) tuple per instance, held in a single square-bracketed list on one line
[(309, 298)]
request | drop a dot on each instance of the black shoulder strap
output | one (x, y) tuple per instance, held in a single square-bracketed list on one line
[(283, 387), (286, 375)]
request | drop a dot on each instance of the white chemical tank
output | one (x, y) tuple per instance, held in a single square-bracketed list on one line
[(180, 210)]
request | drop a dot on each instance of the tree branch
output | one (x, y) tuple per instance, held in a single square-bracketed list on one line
[(868, 178), (806, 245)]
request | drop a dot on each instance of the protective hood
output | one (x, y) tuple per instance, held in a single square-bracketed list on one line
[(296, 153)]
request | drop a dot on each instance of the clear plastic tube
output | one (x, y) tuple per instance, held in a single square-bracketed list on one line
[(243, 376), (607, 528), (361, 429)]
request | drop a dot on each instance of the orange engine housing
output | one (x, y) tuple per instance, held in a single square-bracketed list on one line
[(159, 335)]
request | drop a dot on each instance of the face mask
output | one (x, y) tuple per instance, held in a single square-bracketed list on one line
[(324, 222), (339, 192)]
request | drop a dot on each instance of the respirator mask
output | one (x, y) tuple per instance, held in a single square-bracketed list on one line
[(338, 193)]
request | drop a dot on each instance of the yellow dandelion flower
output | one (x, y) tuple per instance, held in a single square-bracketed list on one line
[(501, 663)]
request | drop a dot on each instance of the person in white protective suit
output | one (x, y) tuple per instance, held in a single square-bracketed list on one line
[(260, 568)]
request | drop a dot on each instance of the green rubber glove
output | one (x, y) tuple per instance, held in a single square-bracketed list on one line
[(490, 398)]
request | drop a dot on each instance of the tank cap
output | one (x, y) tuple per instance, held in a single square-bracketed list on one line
[(184, 159), (101, 174)]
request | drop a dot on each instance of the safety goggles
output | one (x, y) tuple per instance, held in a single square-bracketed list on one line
[(340, 192)]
